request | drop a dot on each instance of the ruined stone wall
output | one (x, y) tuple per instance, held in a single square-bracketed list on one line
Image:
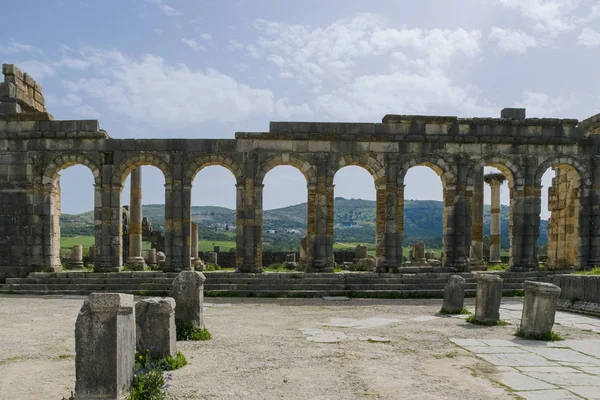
[(20, 93), (563, 225), (34, 149)]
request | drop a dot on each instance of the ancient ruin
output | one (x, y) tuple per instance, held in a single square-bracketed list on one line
[(34, 148)]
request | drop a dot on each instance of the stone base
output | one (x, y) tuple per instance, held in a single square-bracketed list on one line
[(75, 265), (197, 264), (136, 263), (249, 269)]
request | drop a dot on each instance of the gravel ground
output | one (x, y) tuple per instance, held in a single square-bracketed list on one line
[(258, 351)]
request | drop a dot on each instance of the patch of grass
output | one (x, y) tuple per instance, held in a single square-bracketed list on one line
[(548, 337), (498, 267), (276, 268), (149, 382), (452, 354), (513, 293), (462, 311), (593, 271), (188, 332), (337, 269), (499, 322), (66, 356)]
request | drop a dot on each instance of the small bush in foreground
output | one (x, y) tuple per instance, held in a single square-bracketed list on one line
[(548, 337), (499, 322), (149, 382), (188, 332), (462, 311)]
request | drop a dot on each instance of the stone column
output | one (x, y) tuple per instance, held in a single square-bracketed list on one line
[(594, 213), (155, 321), (105, 346), (454, 295), (188, 291), (151, 258), (495, 181), (76, 259), (476, 253), (489, 296), (195, 258), (178, 226), (135, 260), (539, 308), (321, 244)]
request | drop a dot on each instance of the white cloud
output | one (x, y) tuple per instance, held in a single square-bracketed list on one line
[(191, 43), (589, 38), (512, 41), (86, 111), (152, 91), (206, 36), (166, 9), (15, 47), (71, 100), (549, 16), (360, 68), (158, 31), (37, 69), (544, 105)]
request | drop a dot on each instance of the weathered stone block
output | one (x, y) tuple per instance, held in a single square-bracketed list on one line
[(489, 296), (188, 291), (361, 251), (454, 294), (155, 321), (104, 346), (539, 307)]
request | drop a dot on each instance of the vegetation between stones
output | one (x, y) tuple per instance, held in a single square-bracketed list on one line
[(499, 322), (149, 381), (188, 332), (548, 337), (462, 311)]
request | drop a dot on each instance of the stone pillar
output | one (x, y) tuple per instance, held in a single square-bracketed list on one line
[(539, 308), (178, 226), (92, 254), (594, 214), (188, 291), (155, 320), (495, 181), (76, 258), (135, 260), (151, 257), (104, 346), (476, 252), (489, 296), (390, 209), (454, 295), (195, 259), (321, 244), (249, 220)]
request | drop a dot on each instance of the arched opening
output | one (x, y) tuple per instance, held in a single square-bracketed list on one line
[(72, 217), (143, 218), (355, 216), (424, 215), (284, 217), (214, 211), (561, 204)]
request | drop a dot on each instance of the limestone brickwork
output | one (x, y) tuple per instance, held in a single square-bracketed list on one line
[(563, 224), (34, 149)]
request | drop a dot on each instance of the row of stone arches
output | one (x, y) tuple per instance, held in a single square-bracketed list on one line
[(576, 171)]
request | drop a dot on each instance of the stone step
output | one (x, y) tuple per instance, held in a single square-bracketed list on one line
[(165, 281)]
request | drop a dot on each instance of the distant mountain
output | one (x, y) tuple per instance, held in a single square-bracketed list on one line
[(283, 227)]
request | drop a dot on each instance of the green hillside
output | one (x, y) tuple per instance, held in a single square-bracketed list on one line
[(283, 227)]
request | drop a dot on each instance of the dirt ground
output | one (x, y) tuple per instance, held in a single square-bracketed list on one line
[(258, 351)]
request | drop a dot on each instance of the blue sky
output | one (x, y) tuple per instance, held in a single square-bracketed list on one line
[(205, 69)]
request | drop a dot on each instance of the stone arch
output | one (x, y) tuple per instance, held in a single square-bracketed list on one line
[(582, 170), (305, 167), (509, 168), (436, 163), (208, 160), (136, 160), (64, 161), (366, 161)]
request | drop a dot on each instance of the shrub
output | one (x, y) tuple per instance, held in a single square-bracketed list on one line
[(149, 380), (188, 332), (499, 322)]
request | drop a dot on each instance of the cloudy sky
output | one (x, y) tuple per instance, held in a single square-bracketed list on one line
[(206, 69)]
